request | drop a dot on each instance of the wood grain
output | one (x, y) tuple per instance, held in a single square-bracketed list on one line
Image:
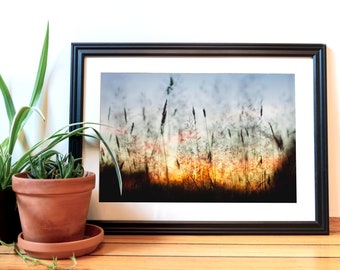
[(164, 252)]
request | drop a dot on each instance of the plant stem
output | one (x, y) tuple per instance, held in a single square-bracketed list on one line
[(31, 261)]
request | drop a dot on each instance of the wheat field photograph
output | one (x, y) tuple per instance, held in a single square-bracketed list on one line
[(199, 137)]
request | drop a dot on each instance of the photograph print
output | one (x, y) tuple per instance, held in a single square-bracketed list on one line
[(199, 137)]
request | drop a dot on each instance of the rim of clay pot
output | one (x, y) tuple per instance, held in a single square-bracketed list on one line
[(22, 184)]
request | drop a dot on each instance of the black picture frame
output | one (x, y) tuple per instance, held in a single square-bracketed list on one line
[(315, 53)]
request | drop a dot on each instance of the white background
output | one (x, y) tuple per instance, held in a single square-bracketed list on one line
[(23, 23)]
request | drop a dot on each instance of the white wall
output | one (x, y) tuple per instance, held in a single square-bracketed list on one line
[(22, 28)]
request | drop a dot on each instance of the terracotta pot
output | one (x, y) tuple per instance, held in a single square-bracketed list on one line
[(53, 211), (9, 217)]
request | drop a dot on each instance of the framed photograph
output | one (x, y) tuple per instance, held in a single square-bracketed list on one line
[(209, 138)]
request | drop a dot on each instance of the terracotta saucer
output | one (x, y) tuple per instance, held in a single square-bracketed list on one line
[(94, 235)]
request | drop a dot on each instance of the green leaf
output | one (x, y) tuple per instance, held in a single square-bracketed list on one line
[(120, 182), (19, 121), (39, 81), (46, 145), (10, 109)]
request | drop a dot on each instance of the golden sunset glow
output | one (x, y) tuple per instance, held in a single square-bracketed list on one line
[(237, 141)]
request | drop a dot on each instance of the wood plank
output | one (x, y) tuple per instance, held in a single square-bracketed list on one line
[(223, 263), (224, 239), (212, 250), (163, 252), (174, 263)]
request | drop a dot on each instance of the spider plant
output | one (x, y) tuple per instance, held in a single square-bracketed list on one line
[(53, 165), (18, 118)]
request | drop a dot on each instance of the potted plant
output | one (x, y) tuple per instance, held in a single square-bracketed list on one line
[(17, 120), (53, 197)]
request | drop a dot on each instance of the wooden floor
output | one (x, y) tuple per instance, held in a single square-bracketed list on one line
[(205, 252)]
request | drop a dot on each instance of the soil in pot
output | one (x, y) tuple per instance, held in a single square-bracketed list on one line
[(53, 211), (9, 217)]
